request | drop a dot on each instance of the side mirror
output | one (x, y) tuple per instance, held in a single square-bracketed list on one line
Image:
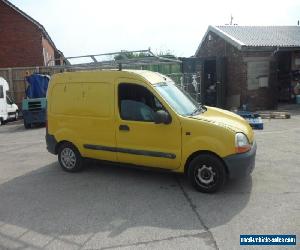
[(162, 116)]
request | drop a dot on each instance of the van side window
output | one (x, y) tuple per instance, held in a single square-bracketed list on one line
[(1, 92), (136, 103)]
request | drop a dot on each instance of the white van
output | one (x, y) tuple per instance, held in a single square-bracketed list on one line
[(8, 109)]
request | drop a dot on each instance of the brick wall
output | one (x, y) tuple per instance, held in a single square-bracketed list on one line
[(48, 52), (237, 92), (20, 40)]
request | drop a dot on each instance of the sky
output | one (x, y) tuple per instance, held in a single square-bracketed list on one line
[(80, 27)]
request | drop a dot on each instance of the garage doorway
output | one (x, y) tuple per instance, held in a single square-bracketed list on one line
[(214, 79), (210, 83), (284, 79)]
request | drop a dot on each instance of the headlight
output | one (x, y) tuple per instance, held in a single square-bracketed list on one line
[(242, 144)]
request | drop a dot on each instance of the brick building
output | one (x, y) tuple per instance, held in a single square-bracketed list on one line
[(255, 66), (23, 40)]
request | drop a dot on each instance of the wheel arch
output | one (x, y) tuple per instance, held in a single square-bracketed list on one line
[(64, 135), (62, 142), (202, 152)]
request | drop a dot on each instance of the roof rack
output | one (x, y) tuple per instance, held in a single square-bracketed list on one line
[(121, 59)]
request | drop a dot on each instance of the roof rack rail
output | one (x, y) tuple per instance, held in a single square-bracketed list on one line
[(118, 60)]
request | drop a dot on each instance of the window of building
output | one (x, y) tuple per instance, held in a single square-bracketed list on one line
[(257, 74)]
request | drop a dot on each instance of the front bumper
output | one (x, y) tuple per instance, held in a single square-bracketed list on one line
[(241, 165)]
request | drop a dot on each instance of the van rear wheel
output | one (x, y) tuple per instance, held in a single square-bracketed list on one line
[(69, 157), (206, 173)]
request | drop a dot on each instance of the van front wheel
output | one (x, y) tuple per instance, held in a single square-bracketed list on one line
[(206, 173), (69, 157)]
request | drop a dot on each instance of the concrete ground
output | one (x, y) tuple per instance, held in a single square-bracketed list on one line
[(109, 207)]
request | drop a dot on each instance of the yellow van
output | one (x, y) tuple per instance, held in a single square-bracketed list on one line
[(142, 118)]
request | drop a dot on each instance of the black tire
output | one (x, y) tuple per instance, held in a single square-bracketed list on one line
[(16, 115), (1, 122), (27, 125), (206, 173), (69, 157)]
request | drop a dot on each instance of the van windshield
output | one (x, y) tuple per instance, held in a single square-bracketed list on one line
[(178, 100)]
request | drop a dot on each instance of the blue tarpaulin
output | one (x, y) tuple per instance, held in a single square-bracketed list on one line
[(253, 119), (37, 85)]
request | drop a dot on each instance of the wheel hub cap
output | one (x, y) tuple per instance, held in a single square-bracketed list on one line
[(68, 158), (206, 174)]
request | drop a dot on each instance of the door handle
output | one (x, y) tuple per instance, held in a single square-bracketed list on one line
[(124, 128)]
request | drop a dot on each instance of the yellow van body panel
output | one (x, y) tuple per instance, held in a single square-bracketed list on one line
[(228, 119), (83, 109)]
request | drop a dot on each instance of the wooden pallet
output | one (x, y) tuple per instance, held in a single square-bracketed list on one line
[(275, 115)]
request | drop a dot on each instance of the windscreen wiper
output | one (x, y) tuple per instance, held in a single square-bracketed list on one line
[(196, 111), (201, 108)]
